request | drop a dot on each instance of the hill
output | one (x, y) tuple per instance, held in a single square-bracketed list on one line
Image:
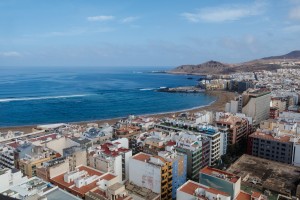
[(291, 55), (210, 67), (217, 68)]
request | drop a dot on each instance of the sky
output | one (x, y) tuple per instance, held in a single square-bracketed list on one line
[(145, 33)]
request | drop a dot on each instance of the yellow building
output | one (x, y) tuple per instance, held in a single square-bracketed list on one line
[(31, 162)]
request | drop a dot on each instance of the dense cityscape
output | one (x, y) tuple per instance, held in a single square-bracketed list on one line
[(149, 100), (250, 149)]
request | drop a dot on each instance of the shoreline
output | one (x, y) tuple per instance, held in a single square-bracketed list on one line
[(222, 97)]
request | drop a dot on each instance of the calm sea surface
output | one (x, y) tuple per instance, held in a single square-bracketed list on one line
[(33, 95)]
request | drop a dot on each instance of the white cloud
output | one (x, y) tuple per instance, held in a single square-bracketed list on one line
[(225, 13), (100, 18), (295, 13), (10, 54), (129, 19)]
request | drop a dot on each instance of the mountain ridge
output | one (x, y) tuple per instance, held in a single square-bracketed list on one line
[(216, 68)]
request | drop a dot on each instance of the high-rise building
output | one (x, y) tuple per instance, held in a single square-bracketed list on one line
[(237, 127), (197, 149), (256, 104), (7, 156), (179, 166), (217, 140)]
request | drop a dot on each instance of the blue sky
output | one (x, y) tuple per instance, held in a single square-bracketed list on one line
[(145, 33)]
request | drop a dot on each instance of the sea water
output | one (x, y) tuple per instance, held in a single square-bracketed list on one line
[(42, 95)]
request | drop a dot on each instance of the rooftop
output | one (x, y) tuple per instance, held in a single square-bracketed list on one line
[(274, 176), (141, 157), (190, 187), (141, 191), (230, 120), (269, 136), (220, 174), (113, 149), (244, 196), (59, 180), (108, 177)]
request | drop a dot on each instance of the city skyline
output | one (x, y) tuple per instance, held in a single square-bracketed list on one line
[(133, 33)]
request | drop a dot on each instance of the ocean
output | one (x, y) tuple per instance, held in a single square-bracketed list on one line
[(42, 95)]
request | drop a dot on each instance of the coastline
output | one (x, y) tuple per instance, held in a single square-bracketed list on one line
[(222, 97)]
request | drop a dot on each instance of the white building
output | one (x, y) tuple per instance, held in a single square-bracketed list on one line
[(111, 157), (256, 104), (10, 177), (146, 171), (36, 188), (7, 156), (296, 152)]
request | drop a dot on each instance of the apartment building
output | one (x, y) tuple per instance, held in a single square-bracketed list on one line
[(7, 157), (256, 104), (271, 146), (179, 168), (53, 168), (238, 127), (10, 178), (152, 172), (34, 159), (197, 149), (78, 182), (111, 157), (36, 188)]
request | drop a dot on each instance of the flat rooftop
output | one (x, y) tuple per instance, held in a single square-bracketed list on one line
[(261, 173), (216, 173), (141, 191), (59, 180), (190, 187), (269, 136)]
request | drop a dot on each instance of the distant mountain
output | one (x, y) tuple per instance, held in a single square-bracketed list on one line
[(291, 55), (210, 67), (217, 68)]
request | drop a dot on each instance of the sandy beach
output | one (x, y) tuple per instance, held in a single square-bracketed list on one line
[(222, 97)]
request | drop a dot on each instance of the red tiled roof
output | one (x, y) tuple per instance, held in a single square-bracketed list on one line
[(243, 196), (45, 137), (86, 188), (16, 144), (141, 157), (101, 193), (59, 180), (171, 143), (215, 191), (256, 194), (90, 171), (105, 149), (108, 177), (190, 187), (13, 144)]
